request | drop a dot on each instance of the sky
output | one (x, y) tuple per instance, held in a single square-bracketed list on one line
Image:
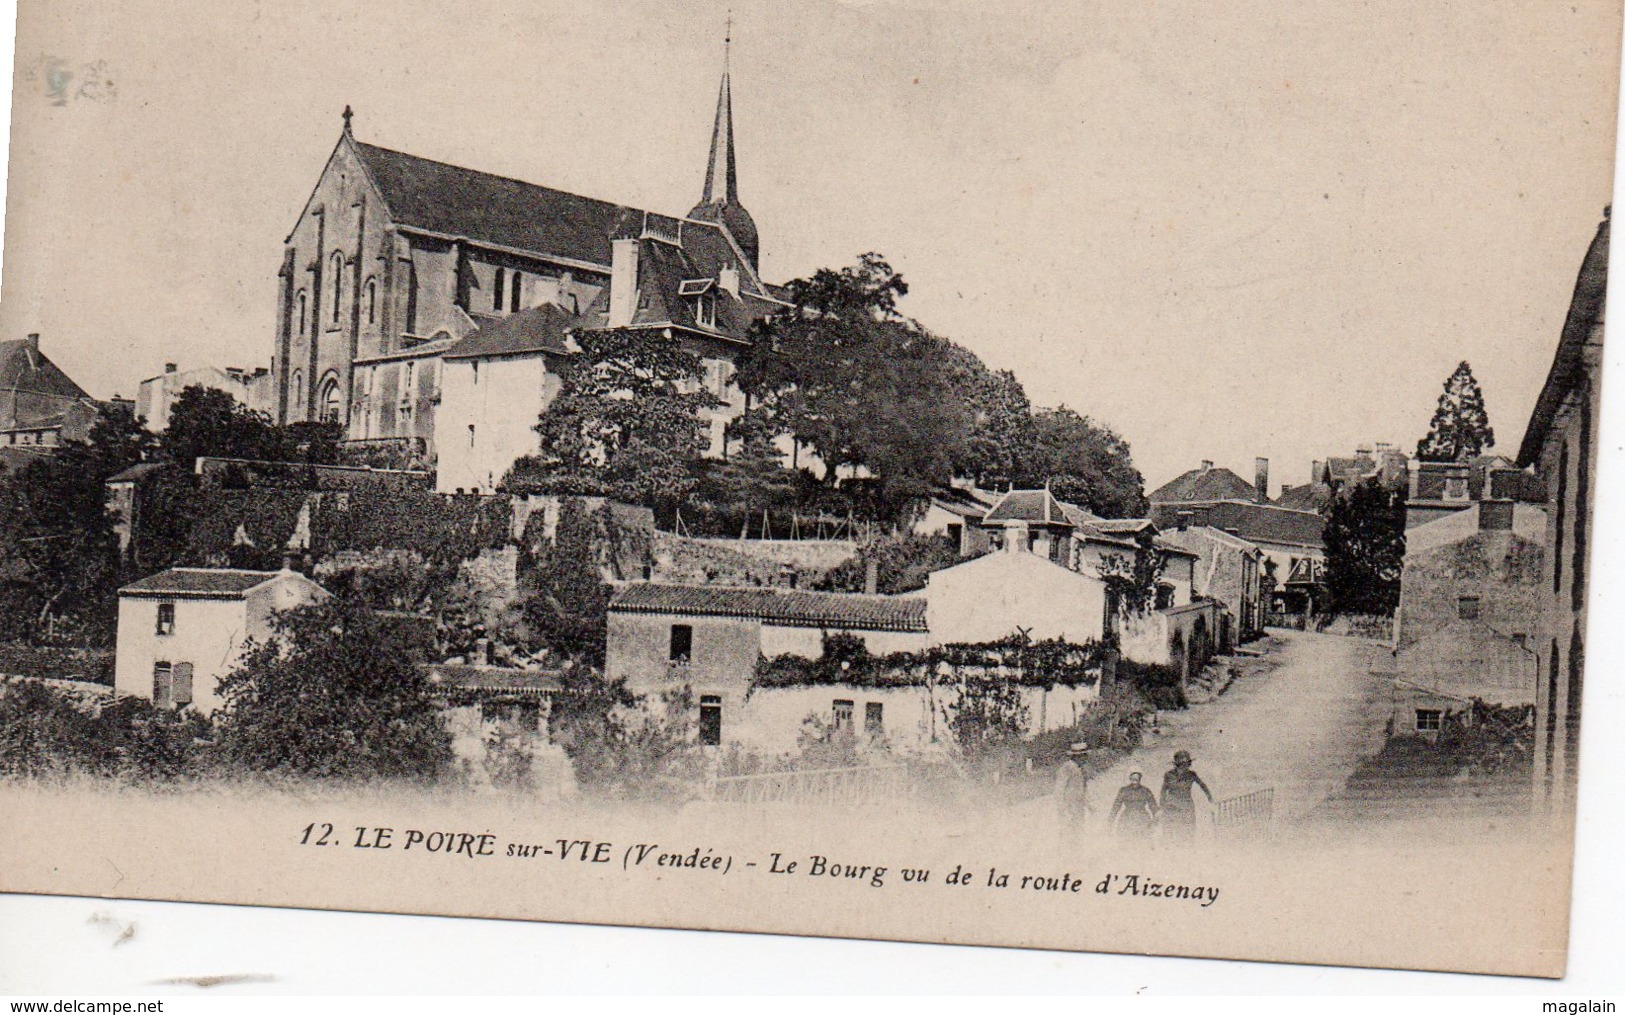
[(1268, 233)]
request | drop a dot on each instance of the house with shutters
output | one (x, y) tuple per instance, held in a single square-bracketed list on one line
[(424, 305), (181, 630)]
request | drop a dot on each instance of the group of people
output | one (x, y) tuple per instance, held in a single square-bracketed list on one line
[(1136, 812)]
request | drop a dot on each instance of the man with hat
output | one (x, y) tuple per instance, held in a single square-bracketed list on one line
[(1178, 806), (1072, 788)]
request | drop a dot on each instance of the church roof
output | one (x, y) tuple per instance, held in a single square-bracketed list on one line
[(442, 198), (1568, 365)]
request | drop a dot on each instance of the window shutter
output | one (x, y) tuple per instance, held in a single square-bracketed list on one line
[(162, 685), (181, 682)]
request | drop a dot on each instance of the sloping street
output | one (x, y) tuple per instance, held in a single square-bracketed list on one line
[(1298, 720)]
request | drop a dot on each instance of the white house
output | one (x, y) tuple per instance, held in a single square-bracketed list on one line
[(181, 630), (992, 596)]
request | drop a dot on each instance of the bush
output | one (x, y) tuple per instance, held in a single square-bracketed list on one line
[(1158, 683), (902, 564)]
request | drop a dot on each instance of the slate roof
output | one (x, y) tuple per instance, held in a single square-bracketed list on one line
[(538, 329), (1038, 506), (1266, 523), (1568, 365), (47, 391), (1308, 497), (200, 582), (443, 198), (788, 607), (1204, 484)]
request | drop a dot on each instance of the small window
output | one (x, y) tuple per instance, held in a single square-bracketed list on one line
[(710, 720), (1520, 639), (874, 718), (298, 388), (682, 644), (843, 715), (518, 287), (163, 685), (956, 533), (1165, 596), (166, 618), (338, 282), (372, 301), (471, 435), (995, 540), (476, 366), (1032, 541), (1429, 720), (496, 290), (304, 312), (705, 311), (1467, 607)]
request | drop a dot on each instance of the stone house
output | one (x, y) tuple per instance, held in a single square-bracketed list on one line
[(40, 405), (1229, 570), (156, 395), (181, 630), (1560, 444)]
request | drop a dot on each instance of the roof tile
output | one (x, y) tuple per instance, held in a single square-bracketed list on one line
[(789, 607)]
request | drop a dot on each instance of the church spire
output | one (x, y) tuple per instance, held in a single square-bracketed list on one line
[(721, 175), (720, 200)]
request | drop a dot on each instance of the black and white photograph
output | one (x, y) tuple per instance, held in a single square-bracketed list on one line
[(1098, 477)]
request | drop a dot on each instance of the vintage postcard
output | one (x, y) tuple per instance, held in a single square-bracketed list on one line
[(1095, 476)]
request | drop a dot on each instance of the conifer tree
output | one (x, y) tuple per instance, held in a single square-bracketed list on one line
[(1460, 430)]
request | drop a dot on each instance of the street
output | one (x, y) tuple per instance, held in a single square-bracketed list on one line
[(1297, 720)]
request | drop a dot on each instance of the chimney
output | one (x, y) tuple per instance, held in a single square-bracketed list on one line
[(1261, 478), (32, 341), (728, 280), (1184, 520), (871, 576), (623, 282), (1317, 469), (169, 368), (1206, 465)]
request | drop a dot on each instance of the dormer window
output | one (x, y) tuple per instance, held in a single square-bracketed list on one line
[(702, 291), (705, 311)]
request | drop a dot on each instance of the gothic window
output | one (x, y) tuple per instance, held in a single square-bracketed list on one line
[(304, 312), (330, 409), (298, 388), (518, 288), (496, 290), (338, 281), (372, 301)]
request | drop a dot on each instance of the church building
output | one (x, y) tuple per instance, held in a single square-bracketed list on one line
[(408, 284)]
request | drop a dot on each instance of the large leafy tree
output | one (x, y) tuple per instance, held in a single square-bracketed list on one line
[(566, 603), (1460, 429), (1082, 462), (860, 384), (1001, 428), (59, 567), (1365, 549), (336, 693), (209, 422), (626, 420)]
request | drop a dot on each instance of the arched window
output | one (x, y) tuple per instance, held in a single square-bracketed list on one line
[(298, 388), (330, 409), (338, 281), (304, 312), (518, 286), (496, 290), (372, 301)]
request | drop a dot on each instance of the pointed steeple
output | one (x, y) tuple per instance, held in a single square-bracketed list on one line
[(719, 202)]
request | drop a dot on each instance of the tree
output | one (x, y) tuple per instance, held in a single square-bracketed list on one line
[(1365, 549), (1460, 430), (59, 568), (626, 420), (209, 422), (857, 382), (1082, 462), (335, 693), (902, 564), (566, 603), (1001, 426)]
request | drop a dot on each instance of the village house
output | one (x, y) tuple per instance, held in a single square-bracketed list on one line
[(155, 396), (398, 263), (181, 630), (1469, 595), (1438, 489), (1383, 462), (1230, 571), (956, 515), (40, 406), (1560, 444)]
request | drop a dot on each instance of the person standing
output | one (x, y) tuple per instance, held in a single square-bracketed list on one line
[(1134, 811), (1178, 815), (1072, 789)]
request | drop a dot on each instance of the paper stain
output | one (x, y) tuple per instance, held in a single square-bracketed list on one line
[(122, 931), (216, 981)]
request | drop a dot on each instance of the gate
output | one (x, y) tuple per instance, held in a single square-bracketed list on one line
[(1249, 816)]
